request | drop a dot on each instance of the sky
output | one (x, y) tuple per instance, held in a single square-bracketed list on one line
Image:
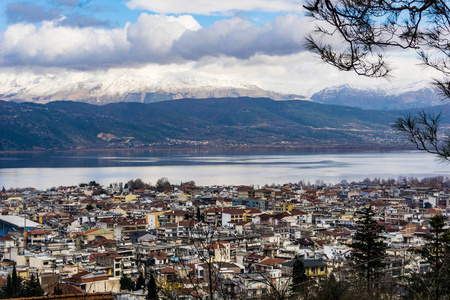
[(257, 41)]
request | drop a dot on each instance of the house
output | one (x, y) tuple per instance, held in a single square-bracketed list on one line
[(94, 282), (313, 268), (220, 251), (238, 214)]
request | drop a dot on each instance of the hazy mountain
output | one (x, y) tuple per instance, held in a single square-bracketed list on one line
[(414, 96), (205, 123)]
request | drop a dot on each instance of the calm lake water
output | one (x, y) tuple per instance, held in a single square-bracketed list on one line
[(45, 170)]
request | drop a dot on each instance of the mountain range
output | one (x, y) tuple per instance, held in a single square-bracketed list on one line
[(145, 87), (417, 96), (225, 123)]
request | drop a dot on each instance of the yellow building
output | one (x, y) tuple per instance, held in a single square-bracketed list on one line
[(153, 218), (124, 198), (288, 207), (167, 279), (313, 268)]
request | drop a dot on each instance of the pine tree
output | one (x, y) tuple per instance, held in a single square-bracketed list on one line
[(152, 288), (436, 252), (370, 249), (299, 278)]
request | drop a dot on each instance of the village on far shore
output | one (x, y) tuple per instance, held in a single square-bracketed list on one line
[(101, 240)]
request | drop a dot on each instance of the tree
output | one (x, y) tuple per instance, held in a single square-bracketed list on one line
[(152, 288), (126, 283), (436, 252), (370, 249), (332, 289), (140, 282), (89, 207), (15, 288), (163, 185), (198, 215), (16, 281), (299, 278), (32, 288), (363, 30)]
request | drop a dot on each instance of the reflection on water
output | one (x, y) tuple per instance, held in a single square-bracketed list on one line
[(43, 170)]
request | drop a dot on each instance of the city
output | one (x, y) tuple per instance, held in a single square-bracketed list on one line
[(211, 242)]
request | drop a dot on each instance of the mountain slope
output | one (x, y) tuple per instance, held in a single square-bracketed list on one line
[(377, 98), (209, 123), (116, 86)]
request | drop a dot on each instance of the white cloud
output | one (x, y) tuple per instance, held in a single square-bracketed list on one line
[(240, 38), (153, 38), (52, 45), (153, 35), (214, 6)]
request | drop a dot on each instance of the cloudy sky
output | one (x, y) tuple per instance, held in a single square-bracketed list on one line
[(257, 41)]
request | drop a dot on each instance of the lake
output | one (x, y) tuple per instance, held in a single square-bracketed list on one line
[(48, 169)]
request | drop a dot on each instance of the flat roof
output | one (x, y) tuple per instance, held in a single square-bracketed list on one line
[(18, 221)]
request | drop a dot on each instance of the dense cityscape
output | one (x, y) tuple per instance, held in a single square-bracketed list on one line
[(138, 241)]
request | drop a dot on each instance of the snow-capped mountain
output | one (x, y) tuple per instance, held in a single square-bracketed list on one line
[(107, 87), (417, 95), (148, 85)]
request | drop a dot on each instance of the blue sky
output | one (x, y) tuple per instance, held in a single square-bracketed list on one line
[(107, 13), (257, 41)]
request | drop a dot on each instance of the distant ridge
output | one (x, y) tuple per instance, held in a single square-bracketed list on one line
[(227, 123), (416, 96)]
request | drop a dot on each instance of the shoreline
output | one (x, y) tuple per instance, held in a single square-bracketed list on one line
[(220, 149)]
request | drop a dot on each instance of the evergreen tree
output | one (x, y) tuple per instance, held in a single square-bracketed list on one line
[(32, 288), (299, 278), (332, 289), (13, 287), (3, 189), (8, 290), (15, 280), (199, 215), (370, 249), (436, 252), (152, 288), (126, 283), (140, 283)]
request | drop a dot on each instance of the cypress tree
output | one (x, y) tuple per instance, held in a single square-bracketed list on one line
[(140, 283), (152, 288), (8, 289)]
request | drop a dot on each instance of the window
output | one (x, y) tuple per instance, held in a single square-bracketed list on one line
[(117, 266), (117, 273)]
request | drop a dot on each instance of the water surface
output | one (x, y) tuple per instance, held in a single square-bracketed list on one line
[(48, 169)]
